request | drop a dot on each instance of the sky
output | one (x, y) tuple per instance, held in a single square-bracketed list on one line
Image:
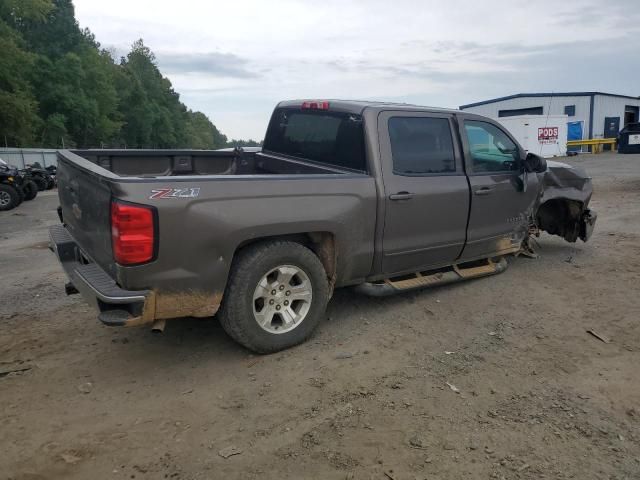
[(235, 59)]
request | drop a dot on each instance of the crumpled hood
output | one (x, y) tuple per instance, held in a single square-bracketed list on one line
[(562, 180)]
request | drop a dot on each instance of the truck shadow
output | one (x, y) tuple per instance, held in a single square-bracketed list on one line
[(346, 315)]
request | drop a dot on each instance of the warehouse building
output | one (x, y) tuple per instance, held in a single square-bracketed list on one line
[(590, 114)]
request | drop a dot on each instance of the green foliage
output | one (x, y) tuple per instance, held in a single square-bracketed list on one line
[(22, 10), (54, 132), (18, 118), (18, 112), (57, 87), (243, 143), (203, 134)]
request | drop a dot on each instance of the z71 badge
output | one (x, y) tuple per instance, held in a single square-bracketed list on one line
[(174, 193)]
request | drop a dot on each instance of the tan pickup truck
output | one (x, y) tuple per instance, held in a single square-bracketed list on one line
[(381, 196)]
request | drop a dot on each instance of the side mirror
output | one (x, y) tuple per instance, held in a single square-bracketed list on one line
[(535, 163)]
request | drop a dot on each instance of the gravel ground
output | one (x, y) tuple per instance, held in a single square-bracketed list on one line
[(492, 378)]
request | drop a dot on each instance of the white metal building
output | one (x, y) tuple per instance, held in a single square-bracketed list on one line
[(590, 114)]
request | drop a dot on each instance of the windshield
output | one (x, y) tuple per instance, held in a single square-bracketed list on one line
[(334, 138)]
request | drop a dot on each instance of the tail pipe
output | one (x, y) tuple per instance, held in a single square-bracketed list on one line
[(158, 326)]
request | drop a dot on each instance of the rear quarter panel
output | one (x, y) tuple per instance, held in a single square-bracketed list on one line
[(198, 237)]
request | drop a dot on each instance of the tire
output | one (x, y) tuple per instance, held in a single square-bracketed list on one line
[(9, 197), (261, 270), (50, 183), (41, 183), (20, 194), (30, 190)]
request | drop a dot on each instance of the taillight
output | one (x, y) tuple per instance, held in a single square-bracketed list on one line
[(132, 233), (315, 105)]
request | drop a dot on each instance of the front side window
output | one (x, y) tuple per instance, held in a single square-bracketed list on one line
[(491, 149), (421, 145)]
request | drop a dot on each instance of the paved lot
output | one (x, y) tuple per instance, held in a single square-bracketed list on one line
[(367, 397)]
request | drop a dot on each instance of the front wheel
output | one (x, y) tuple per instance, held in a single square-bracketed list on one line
[(276, 296), (9, 197)]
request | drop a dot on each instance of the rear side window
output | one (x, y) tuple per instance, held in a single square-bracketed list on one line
[(421, 145), (333, 138)]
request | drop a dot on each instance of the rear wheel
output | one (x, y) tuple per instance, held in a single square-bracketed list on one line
[(30, 190), (276, 296), (9, 197)]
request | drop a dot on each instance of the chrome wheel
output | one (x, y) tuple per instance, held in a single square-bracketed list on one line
[(282, 299), (5, 199)]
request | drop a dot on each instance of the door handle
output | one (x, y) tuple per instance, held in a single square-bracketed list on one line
[(401, 196), (483, 190)]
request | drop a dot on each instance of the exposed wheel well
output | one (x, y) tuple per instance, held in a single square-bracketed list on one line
[(320, 243), (561, 216)]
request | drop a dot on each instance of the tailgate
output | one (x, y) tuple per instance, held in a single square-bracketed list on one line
[(85, 199)]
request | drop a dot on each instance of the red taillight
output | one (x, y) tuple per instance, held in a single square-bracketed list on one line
[(315, 105), (132, 233)]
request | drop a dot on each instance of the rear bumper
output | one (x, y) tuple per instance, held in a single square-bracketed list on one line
[(116, 306)]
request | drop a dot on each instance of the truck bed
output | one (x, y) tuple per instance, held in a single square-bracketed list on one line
[(162, 163)]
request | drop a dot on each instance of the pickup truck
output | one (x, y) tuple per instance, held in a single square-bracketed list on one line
[(386, 197)]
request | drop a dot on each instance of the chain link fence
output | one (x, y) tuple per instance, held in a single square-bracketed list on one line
[(20, 157)]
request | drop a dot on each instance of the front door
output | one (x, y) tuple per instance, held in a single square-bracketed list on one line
[(426, 191), (500, 204)]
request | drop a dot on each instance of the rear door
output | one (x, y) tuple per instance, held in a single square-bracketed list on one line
[(426, 191), (500, 204)]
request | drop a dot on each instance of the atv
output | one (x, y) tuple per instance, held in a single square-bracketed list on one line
[(52, 169), (29, 186), (40, 176), (11, 194), (15, 186)]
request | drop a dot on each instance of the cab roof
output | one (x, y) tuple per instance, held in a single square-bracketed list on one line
[(359, 106)]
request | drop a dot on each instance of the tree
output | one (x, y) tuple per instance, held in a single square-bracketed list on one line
[(79, 87), (201, 133), (18, 112), (54, 35), (54, 133), (18, 118), (18, 11), (244, 143), (57, 85), (152, 102)]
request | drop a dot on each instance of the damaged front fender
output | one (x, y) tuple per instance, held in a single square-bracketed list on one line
[(563, 206)]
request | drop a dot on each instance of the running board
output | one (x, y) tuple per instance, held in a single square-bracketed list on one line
[(454, 273)]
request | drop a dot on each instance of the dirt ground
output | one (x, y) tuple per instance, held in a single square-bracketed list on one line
[(492, 378)]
